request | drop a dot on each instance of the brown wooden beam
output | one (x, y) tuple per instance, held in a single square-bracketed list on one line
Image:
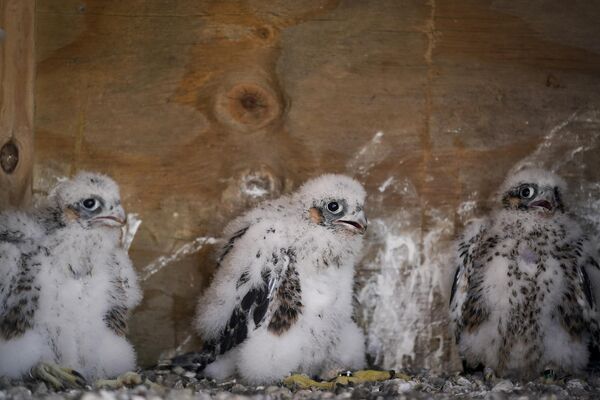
[(17, 74)]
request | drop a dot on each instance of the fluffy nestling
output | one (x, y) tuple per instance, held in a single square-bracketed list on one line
[(522, 301), (281, 299), (67, 285)]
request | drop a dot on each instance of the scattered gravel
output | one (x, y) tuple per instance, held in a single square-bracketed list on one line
[(182, 385)]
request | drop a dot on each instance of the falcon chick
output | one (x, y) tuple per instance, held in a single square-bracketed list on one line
[(67, 286), (522, 302), (281, 299)]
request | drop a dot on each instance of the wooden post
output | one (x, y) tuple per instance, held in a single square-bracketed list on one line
[(17, 74)]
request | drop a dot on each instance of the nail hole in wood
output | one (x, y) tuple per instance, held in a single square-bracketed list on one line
[(9, 157), (263, 32)]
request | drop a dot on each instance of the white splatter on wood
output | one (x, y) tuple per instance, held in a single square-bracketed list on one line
[(183, 251), (371, 154), (398, 298), (382, 188)]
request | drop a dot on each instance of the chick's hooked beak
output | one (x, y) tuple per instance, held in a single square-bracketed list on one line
[(545, 202), (115, 217), (356, 222)]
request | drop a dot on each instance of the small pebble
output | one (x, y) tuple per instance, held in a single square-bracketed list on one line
[(401, 386), (503, 386), (91, 396), (575, 384), (178, 385), (462, 381), (448, 387), (237, 388), (40, 388), (18, 393), (496, 396)]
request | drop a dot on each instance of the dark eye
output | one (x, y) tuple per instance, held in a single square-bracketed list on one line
[(334, 207), (527, 192), (90, 204)]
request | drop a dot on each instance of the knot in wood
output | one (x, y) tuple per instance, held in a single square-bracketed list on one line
[(248, 106), (264, 32), (9, 157)]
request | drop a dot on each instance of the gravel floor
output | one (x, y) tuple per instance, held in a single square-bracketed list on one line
[(422, 385)]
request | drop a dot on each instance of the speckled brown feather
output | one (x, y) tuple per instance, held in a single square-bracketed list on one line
[(24, 295), (289, 302), (528, 290)]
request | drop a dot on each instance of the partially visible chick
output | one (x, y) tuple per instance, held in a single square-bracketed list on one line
[(522, 301), (80, 287)]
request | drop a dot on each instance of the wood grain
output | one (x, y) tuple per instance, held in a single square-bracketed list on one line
[(17, 66)]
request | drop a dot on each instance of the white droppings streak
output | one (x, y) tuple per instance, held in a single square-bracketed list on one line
[(466, 207), (386, 184), (255, 191), (255, 186), (398, 298), (185, 250), (368, 156), (184, 343)]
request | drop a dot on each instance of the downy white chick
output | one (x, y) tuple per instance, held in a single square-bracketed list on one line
[(281, 299)]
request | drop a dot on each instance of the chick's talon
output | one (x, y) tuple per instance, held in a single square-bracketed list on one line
[(304, 382), (129, 378), (58, 377), (345, 378), (368, 375)]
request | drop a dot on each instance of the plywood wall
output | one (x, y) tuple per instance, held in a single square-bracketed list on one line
[(199, 109), (17, 69)]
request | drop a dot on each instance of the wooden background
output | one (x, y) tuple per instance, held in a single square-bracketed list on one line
[(201, 108)]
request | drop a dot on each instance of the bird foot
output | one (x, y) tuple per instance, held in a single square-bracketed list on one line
[(345, 378), (59, 378), (549, 375), (302, 381), (192, 361), (489, 375), (126, 379)]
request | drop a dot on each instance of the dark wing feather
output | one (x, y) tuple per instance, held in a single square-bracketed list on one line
[(587, 287), (591, 267), (577, 310), (253, 305), (116, 320), (122, 287), (467, 309), (457, 276), (276, 299), (230, 244)]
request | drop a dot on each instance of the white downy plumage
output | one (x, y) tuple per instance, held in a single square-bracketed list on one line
[(67, 285), (281, 299), (522, 300)]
